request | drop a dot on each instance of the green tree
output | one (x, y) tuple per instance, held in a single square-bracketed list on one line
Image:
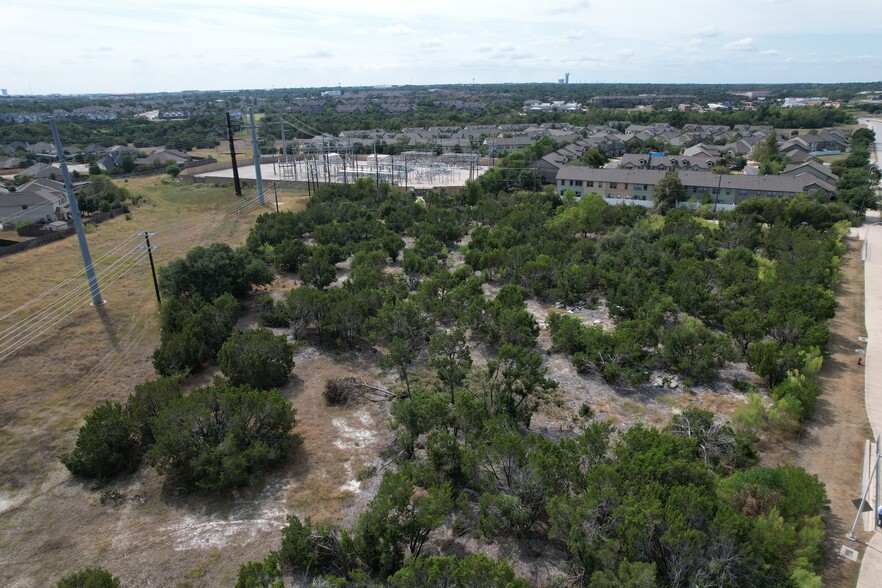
[(213, 271), (515, 383), (89, 578), (668, 192), (219, 436), (696, 351), (399, 356), (449, 354), (257, 358), (289, 255), (148, 400), (172, 169), (128, 164), (107, 445), (192, 332), (318, 271), (260, 574), (470, 571), (398, 519), (317, 549)]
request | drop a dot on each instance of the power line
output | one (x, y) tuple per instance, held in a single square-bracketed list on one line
[(64, 282), (11, 345), (59, 304)]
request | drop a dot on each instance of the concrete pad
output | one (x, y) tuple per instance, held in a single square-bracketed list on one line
[(871, 564)]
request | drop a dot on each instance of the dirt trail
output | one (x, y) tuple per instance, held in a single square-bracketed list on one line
[(831, 445)]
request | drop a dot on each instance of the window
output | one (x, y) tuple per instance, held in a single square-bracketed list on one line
[(589, 183), (578, 182), (625, 187), (24, 206), (600, 184), (613, 185)]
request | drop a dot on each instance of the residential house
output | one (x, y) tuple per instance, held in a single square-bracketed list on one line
[(42, 200), (636, 185), (819, 170), (667, 162), (163, 157)]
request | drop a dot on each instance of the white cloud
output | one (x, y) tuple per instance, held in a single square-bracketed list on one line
[(572, 35), (396, 29), (745, 44), (770, 52), (570, 5), (430, 43), (706, 32), (318, 53), (625, 53)]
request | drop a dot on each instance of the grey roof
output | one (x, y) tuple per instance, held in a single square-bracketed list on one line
[(10, 162), (42, 170), (812, 164), (635, 176), (36, 193), (41, 147), (778, 183), (644, 159)]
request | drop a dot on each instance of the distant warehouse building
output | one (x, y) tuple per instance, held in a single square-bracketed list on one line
[(635, 186)]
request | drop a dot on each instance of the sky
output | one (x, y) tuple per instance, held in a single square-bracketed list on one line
[(124, 46)]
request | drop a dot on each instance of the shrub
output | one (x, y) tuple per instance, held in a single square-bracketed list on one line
[(799, 390), (219, 436), (257, 358), (148, 400), (89, 578), (192, 332), (260, 574), (213, 271), (273, 313), (321, 549), (472, 570), (696, 351), (107, 445), (289, 255), (398, 518), (337, 392)]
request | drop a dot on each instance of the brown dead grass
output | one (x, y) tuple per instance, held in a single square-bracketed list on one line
[(51, 524), (831, 445)]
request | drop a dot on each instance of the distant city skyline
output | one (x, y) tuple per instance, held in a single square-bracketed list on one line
[(90, 47)]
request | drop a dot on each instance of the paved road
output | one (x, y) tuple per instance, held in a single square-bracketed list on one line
[(876, 125), (871, 565)]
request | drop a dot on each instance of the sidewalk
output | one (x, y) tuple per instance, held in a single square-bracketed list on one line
[(871, 564)]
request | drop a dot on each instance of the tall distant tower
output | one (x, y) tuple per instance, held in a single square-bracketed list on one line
[(566, 78)]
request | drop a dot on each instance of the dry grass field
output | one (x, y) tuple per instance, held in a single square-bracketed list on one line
[(51, 524)]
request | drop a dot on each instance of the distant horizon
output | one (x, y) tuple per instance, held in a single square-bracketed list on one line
[(92, 47), (734, 85)]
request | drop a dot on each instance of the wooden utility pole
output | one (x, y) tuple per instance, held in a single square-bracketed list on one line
[(236, 182)]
